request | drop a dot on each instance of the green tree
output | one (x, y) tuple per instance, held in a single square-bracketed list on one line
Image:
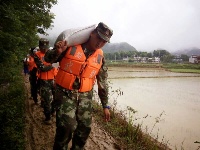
[(20, 22), (160, 53), (185, 57), (167, 58), (122, 54), (149, 55), (131, 54)]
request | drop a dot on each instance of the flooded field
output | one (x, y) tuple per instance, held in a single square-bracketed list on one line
[(168, 104)]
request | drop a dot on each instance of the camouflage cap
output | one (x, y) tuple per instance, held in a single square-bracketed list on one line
[(104, 31), (44, 43)]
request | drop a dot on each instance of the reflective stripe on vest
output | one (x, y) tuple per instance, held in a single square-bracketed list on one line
[(74, 64)]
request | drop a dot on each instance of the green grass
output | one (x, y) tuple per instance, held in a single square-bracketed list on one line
[(12, 106), (185, 70), (122, 127), (134, 65), (182, 68)]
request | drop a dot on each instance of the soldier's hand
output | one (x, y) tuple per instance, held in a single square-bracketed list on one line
[(106, 114), (61, 46)]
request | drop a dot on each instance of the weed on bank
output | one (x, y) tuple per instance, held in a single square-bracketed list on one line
[(129, 136), (12, 95)]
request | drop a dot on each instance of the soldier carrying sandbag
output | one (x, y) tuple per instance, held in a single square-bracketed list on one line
[(79, 67)]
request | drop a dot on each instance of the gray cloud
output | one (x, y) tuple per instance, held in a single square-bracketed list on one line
[(145, 24)]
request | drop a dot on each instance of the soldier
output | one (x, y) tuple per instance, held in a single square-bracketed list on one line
[(80, 66), (33, 75), (46, 76)]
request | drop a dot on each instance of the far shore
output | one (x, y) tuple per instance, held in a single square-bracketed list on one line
[(173, 67)]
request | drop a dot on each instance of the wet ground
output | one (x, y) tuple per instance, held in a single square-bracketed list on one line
[(40, 136)]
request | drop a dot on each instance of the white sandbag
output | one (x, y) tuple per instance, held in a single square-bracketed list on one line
[(56, 65), (76, 36)]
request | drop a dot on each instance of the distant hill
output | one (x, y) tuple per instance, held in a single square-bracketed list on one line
[(117, 47), (188, 51)]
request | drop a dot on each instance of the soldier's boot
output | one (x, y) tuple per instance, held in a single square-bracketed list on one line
[(47, 119)]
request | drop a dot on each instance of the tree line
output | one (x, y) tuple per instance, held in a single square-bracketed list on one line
[(164, 55)]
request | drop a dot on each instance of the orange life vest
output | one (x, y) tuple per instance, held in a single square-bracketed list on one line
[(74, 64), (48, 75), (31, 63), (55, 71)]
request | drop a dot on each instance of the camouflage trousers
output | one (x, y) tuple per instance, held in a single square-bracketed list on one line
[(73, 117), (46, 91)]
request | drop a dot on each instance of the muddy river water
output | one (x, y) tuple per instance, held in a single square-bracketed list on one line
[(167, 104)]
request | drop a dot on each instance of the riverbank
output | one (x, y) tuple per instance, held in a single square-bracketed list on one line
[(151, 91), (173, 67), (127, 134)]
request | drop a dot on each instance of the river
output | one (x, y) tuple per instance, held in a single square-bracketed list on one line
[(167, 103)]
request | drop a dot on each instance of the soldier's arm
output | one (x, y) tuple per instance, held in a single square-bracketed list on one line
[(40, 65), (38, 62), (52, 56), (103, 85)]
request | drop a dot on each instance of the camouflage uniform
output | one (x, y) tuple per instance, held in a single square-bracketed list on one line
[(46, 86), (46, 89), (74, 109)]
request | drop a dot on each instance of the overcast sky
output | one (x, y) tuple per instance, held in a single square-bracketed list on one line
[(145, 24)]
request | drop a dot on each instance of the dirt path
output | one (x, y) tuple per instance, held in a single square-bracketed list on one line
[(40, 136)]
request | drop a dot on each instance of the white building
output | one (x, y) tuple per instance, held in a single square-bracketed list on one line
[(193, 59), (156, 60)]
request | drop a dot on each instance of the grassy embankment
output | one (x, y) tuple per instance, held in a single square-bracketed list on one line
[(122, 127), (181, 68), (12, 107)]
